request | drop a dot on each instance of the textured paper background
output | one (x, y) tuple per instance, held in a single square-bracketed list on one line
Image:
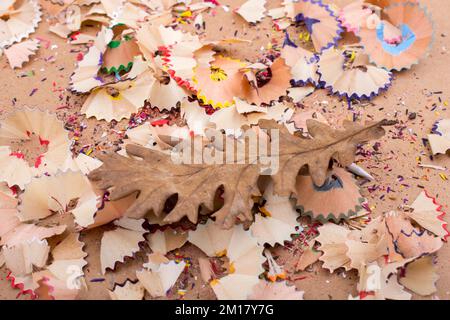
[(398, 156)]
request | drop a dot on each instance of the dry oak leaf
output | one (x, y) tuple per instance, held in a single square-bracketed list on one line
[(157, 177), (326, 143)]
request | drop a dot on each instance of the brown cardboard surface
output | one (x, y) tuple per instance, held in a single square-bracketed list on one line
[(411, 92)]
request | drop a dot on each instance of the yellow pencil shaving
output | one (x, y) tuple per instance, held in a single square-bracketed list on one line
[(221, 253), (214, 282), (217, 74), (187, 14), (353, 56), (304, 36), (274, 277), (265, 212)]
